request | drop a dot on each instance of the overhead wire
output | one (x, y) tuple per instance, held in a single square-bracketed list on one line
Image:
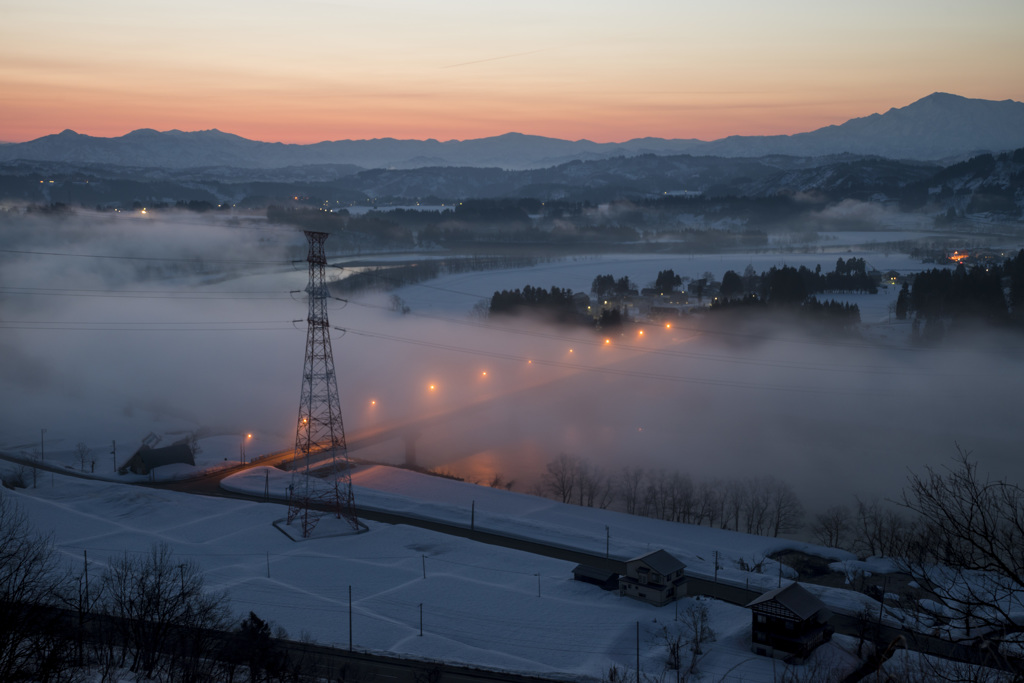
[(170, 259)]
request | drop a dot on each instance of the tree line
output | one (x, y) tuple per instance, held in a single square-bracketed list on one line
[(955, 532), (755, 505), (990, 292)]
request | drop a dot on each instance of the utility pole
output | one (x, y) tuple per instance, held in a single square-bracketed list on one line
[(638, 652), (42, 445), (85, 554), (113, 452), (319, 430)]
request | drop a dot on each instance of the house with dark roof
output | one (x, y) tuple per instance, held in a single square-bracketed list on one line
[(657, 578), (146, 459), (788, 622)]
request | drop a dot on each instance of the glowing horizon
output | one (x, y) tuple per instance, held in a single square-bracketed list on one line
[(333, 70)]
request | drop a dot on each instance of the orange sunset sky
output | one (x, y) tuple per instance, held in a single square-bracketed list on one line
[(310, 70)]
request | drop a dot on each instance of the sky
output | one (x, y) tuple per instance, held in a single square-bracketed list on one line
[(314, 70)]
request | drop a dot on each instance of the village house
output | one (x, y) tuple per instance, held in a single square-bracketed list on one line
[(146, 458), (656, 578), (788, 622)]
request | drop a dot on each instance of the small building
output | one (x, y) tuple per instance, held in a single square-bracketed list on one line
[(788, 622), (603, 578), (656, 578), (147, 458)]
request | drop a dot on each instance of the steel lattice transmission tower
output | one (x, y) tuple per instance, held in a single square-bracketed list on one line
[(319, 434)]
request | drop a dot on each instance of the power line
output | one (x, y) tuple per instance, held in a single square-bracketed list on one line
[(147, 294), (148, 258)]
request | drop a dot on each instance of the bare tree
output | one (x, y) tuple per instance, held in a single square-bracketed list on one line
[(707, 503), (498, 481), (629, 488), (162, 610), (967, 549), (673, 638), (595, 487), (755, 506), (733, 494), (878, 529), (559, 478), (831, 527), (681, 498), (32, 582), (696, 622), (785, 512), (83, 452)]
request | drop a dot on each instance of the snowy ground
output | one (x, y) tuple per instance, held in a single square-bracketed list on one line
[(480, 603)]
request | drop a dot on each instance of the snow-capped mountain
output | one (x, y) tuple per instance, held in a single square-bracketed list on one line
[(938, 127)]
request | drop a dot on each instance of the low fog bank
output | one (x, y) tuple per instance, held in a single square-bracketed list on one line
[(104, 349), (833, 420), (113, 325)]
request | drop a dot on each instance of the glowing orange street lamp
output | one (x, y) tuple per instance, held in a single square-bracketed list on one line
[(242, 447)]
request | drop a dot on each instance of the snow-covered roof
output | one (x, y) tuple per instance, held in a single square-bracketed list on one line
[(661, 562), (793, 597)]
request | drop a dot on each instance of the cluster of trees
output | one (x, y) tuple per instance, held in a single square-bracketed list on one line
[(555, 302), (148, 614), (788, 285), (604, 285), (667, 281), (867, 528), (975, 292), (757, 505)]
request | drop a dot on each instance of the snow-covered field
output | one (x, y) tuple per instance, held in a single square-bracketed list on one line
[(482, 605)]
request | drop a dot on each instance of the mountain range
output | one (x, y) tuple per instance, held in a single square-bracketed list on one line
[(939, 127)]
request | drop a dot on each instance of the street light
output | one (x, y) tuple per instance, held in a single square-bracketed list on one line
[(242, 446)]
